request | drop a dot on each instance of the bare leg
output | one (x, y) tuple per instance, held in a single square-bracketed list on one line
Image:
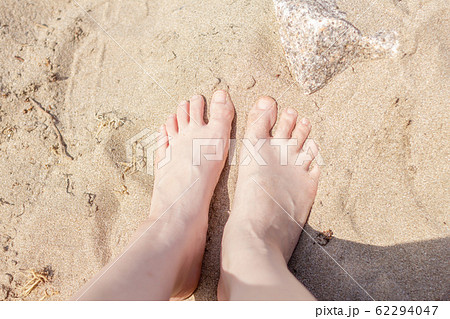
[(164, 258), (270, 207)]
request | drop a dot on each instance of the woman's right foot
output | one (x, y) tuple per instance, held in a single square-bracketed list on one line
[(271, 205)]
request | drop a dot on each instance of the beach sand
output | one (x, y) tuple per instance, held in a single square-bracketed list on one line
[(106, 70)]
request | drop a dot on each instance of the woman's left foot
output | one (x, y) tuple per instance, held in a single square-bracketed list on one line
[(163, 260)]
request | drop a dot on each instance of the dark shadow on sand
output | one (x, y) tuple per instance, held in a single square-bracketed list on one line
[(411, 271)]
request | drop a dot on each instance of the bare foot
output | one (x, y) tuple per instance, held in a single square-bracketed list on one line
[(190, 175), (164, 258), (271, 205)]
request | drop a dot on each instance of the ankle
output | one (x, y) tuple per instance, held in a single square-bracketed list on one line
[(244, 247), (251, 237), (248, 273)]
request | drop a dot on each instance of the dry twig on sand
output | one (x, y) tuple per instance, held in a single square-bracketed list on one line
[(35, 278), (51, 119)]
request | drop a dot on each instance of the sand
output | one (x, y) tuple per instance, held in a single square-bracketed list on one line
[(382, 126)]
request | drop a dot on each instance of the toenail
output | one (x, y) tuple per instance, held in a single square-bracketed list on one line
[(220, 97), (305, 121), (196, 97), (264, 104), (183, 103), (291, 111)]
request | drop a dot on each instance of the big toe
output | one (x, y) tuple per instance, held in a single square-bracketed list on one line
[(262, 118), (196, 110), (222, 109)]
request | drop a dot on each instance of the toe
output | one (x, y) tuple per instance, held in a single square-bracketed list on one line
[(196, 110), (286, 124), (301, 131), (222, 109), (172, 125), (261, 118), (183, 114), (308, 153)]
